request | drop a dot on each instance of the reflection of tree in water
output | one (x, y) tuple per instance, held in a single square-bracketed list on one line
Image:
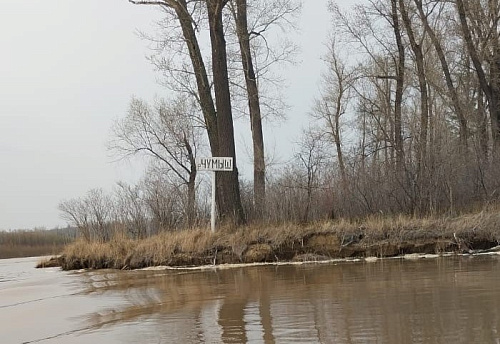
[(389, 301)]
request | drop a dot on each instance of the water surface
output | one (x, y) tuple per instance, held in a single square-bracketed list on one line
[(443, 300)]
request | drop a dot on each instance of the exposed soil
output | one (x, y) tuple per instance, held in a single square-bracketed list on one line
[(51, 262), (315, 247), (378, 237)]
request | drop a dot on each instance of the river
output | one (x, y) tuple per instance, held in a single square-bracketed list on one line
[(438, 300)]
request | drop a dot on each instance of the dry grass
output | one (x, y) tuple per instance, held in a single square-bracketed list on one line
[(373, 236)]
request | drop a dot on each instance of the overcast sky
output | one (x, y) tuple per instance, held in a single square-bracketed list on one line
[(68, 69)]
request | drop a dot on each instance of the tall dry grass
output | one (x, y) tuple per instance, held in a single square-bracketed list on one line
[(199, 246)]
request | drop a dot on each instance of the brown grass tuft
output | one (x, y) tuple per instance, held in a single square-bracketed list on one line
[(375, 236)]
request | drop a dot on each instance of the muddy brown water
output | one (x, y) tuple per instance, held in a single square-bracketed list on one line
[(440, 300)]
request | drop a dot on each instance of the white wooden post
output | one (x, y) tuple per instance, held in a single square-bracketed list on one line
[(212, 214)]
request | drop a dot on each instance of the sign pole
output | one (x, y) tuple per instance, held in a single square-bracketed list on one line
[(212, 217), (214, 164)]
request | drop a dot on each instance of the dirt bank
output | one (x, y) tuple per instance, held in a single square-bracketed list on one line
[(329, 240)]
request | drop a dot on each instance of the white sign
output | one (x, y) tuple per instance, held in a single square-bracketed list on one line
[(214, 164)]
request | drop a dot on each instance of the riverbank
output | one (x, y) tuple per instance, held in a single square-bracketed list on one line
[(375, 237)]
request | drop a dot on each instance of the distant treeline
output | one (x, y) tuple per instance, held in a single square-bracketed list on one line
[(36, 242)]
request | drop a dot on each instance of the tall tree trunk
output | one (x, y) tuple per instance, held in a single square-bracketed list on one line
[(191, 184), (484, 139), (422, 82), (495, 75), (446, 70), (259, 165), (364, 128), (490, 88), (202, 83), (337, 138), (495, 93), (400, 78), (483, 82), (191, 213), (424, 107), (229, 206)]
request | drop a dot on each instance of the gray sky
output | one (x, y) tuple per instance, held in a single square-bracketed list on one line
[(68, 69)]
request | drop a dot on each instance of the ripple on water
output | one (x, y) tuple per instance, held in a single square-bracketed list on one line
[(441, 300)]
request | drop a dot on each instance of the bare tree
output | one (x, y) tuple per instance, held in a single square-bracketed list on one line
[(375, 30), (218, 117), (337, 92), (165, 199), (312, 158), (74, 212), (252, 27), (182, 12), (230, 206), (92, 215), (132, 209), (456, 103), (168, 133), (417, 48), (259, 175), (400, 81), (490, 85)]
